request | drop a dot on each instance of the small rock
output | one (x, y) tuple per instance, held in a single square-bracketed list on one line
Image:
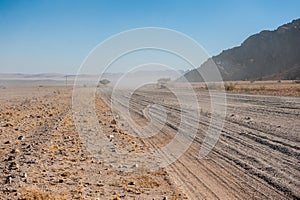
[(24, 175), (65, 174), (100, 184), (113, 121), (7, 142), (13, 166), (111, 136), (165, 198), (15, 151), (8, 125), (21, 137), (60, 181), (247, 118), (10, 158), (8, 180), (131, 183), (135, 166)]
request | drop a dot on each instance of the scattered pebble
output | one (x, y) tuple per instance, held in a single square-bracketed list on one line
[(21, 137), (10, 158), (135, 166), (131, 183), (8, 180), (13, 166), (115, 130), (15, 151), (8, 125)]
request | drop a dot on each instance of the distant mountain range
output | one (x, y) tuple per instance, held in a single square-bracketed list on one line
[(266, 55)]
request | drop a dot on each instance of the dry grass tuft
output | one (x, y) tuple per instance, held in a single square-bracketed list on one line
[(146, 181), (32, 193)]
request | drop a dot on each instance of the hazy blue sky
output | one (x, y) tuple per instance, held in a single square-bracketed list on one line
[(56, 35)]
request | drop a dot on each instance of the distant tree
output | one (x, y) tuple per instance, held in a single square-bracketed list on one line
[(104, 81)]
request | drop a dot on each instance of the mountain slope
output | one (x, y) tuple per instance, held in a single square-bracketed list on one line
[(266, 55)]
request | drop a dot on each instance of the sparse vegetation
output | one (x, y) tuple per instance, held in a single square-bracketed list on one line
[(214, 86), (163, 82), (246, 89), (104, 82), (229, 86), (262, 87), (32, 193)]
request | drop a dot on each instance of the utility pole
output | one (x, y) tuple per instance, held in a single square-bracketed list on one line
[(66, 80)]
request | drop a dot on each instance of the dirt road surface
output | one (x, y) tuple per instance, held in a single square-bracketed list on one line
[(257, 155)]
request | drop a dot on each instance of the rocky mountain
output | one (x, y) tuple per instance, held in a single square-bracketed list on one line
[(266, 55)]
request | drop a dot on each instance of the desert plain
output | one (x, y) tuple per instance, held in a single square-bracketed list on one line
[(257, 155)]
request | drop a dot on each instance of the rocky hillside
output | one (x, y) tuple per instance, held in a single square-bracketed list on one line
[(266, 55)]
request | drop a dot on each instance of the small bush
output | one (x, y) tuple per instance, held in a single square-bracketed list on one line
[(297, 81), (252, 81), (246, 89), (104, 81), (229, 87), (262, 87)]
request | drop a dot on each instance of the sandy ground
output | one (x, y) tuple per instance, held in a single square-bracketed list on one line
[(42, 156), (272, 87)]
